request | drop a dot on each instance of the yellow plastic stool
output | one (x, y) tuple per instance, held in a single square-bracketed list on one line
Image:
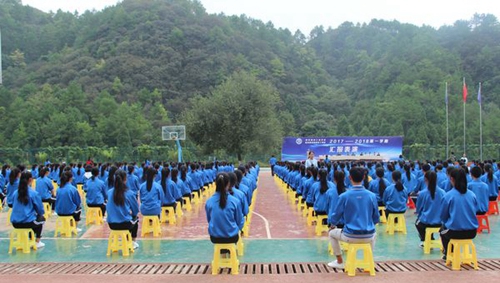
[(167, 215), (178, 209), (219, 262), (320, 227), (56, 186), (464, 252), (383, 218), (22, 239), (9, 213), (429, 243), (187, 203), (396, 227), (94, 215), (196, 197), (65, 225), (33, 184), (151, 224), (310, 216), (47, 207), (120, 240), (353, 262), (240, 246)]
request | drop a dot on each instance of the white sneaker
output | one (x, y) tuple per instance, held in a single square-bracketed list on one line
[(335, 264), (421, 244), (40, 245), (78, 230), (135, 245)]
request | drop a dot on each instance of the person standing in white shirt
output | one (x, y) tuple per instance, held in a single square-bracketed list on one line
[(311, 162)]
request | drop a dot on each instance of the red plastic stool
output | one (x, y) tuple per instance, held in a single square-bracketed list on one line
[(484, 223), (410, 203), (493, 207)]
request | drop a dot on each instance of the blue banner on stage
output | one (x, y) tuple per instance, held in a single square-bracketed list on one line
[(385, 148)]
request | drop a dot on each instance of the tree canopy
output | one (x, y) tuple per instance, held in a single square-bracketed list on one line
[(114, 77)]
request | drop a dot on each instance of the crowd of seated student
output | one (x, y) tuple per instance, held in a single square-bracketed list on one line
[(436, 187), (118, 189)]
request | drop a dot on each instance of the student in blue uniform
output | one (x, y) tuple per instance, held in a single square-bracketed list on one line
[(103, 176), (379, 185), (122, 207), (480, 189), (242, 187), (272, 163), (395, 196), (45, 188), (27, 208), (68, 202), (237, 193), (224, 217), (320, 193), (458, 213), (78, 174), (151, 195), (12, 185), (96, 190), (133, 181), (110, 180), (333, 195), (429, 206), (409, 180), (492, 182), (169, 189), (357, 209)]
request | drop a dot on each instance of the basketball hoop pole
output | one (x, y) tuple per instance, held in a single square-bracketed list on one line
[(179, 150)]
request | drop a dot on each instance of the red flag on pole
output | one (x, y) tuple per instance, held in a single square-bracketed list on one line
[(465, 92)]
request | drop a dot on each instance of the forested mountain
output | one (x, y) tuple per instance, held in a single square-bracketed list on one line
[(112, 78)]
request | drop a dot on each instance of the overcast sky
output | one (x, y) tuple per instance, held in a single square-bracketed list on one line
[(304, 15)]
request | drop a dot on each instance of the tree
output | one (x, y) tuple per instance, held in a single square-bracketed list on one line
[(238, 117)]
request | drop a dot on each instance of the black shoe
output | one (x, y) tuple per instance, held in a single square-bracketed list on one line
[(443, 257)]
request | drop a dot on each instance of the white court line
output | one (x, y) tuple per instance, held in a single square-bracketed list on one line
[(268, 231)]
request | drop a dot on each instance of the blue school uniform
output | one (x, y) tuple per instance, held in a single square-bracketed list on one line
[(243, 200), (26, 213), (395, 200), (320, 200), (67, 200), (374, 188), (428, 209), (224, 222), (96, 192), (121, 214), (459, 211), (44, 187), (331, 203), (11, 189), (151, 201), (169, 193), (492, 185), (133, 183), (482, 192)]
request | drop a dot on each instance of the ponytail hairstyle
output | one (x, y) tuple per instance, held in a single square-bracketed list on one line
[(61, 170), (111, 176), (239, 177), (488, 169), (381, 184), (459, 180), (13, 175), (431, 178), (66, 177), (43, 172), (232, 181), (174, 174), (322, 180), (150, 178), (221, 184), (408, 173), (79, 169), (183, 173), (22, 190), (390, 168), (339, 177), (95, 173), (103, 169), (314, 173), (165, 172), (130, 169), (396, 176), (120, 178), (366, 184)]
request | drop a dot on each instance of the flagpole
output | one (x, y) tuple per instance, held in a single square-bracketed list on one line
[(464, 113), (480, 123), (447, 124)]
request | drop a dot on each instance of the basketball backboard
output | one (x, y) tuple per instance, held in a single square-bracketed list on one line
[(169, 133)]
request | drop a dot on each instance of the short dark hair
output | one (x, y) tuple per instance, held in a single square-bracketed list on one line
[(357, 174)]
